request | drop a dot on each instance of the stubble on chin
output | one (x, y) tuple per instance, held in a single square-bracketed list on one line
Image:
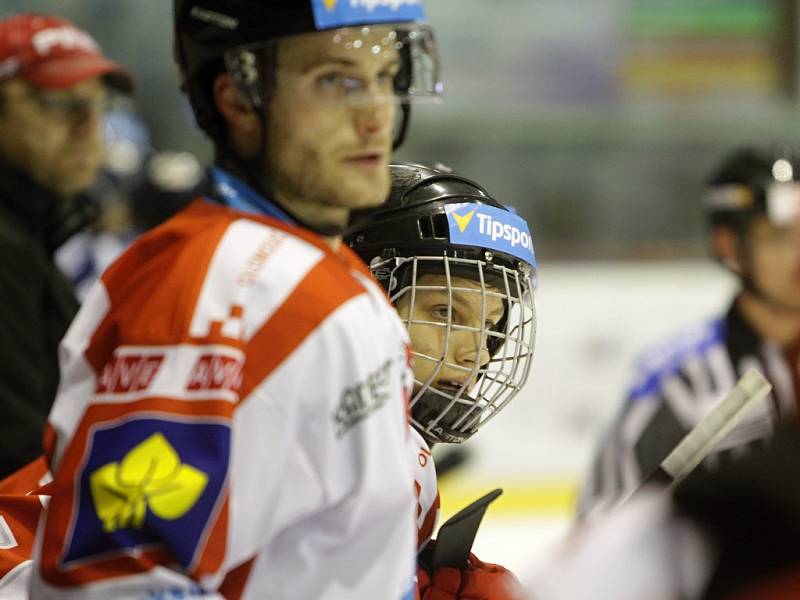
[(340, 188), (366, 192)]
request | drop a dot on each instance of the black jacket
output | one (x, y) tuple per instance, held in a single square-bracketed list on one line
[(37, 305), (677, 384)]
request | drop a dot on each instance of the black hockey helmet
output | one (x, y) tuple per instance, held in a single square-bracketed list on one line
[(754, 181), (212, 36), (438, 224)]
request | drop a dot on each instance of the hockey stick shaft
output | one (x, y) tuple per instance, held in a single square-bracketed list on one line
[(704, 436)]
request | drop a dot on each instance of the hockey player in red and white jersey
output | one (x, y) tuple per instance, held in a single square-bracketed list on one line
[(497, 345), (460, 269), (232, 416)]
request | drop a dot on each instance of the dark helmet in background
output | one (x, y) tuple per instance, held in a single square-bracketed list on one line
[(436, 222), (754, 181)]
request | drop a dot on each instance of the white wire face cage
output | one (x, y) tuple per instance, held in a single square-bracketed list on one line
[(469, 362)]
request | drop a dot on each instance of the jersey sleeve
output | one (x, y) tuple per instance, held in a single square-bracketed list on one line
[(642, 434), (20, 508), (425, 488), (139, 445)]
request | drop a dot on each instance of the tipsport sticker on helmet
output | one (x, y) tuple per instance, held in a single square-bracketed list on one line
[(492, 228), (341, 13), (148, 482)]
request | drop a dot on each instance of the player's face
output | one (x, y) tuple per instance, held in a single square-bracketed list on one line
[(430, 342), (774, 257), (332, 121), (55, 136)]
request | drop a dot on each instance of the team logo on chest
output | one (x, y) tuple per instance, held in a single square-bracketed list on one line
[(150, 477), (146, 483)]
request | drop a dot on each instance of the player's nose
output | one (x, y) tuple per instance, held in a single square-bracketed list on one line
[(374, 119), (470, 348)]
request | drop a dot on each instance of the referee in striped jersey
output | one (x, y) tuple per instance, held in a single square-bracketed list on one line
[(752, 203)]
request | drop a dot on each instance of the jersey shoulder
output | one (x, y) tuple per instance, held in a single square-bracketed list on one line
[(668, 357), (212, 257), (27, 479)]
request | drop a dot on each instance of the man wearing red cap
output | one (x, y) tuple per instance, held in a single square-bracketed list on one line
[(54, 85)]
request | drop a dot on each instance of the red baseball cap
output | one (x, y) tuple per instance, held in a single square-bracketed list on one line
[(52, 53)]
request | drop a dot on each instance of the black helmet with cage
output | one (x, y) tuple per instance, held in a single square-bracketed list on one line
[(239, 36), (437, 223), (751, 181)]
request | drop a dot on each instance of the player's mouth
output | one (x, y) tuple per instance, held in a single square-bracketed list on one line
[(450, 386), (367, 160)]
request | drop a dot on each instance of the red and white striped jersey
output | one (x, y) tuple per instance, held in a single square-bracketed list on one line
[(231, 422), (426, 489), (21, 501)]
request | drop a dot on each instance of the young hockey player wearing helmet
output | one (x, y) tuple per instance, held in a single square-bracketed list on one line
[(460, 269), (232, 418), (752, 203)]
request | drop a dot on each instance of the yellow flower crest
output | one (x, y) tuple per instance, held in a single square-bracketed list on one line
[(150, 476)]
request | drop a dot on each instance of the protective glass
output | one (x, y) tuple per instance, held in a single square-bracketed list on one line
[(469, 365), (342, 67)]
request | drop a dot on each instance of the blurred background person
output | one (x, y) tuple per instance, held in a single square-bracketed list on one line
[(137, 188), (752, 202), (726, 534), (127, 145), (171, 180), (54, 87)]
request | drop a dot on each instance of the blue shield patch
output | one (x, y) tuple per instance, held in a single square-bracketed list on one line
[(148, 483), (489, 227), (329, 14)]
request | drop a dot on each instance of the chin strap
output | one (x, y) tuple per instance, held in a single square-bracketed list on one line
[(402, 130)]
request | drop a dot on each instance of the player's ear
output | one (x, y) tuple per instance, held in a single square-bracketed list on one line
[(244, 126), (726, 247)]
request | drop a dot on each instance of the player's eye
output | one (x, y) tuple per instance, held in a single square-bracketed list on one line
[(337, 82), (440, 311)]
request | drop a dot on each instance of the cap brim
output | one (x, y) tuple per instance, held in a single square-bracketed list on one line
[(67, 71)]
